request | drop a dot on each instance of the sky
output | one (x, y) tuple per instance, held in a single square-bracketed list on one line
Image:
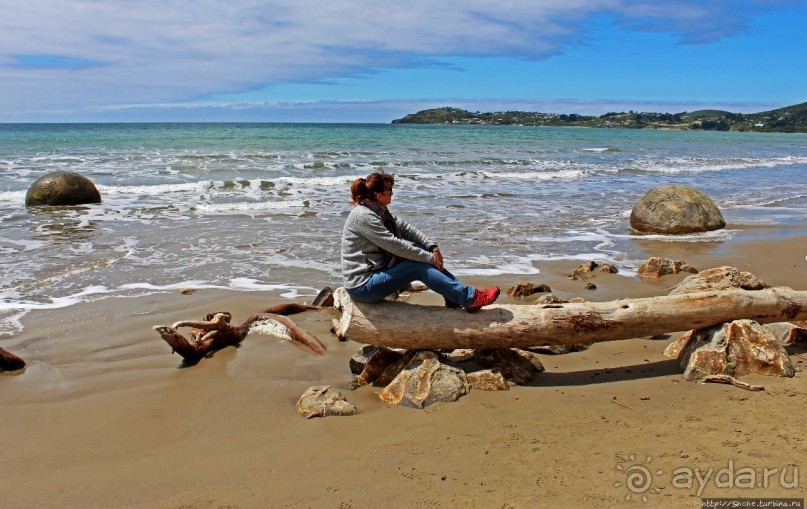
[(375, 60)]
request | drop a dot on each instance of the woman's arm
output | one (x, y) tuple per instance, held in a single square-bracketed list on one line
[(412, 234), (373, 229)]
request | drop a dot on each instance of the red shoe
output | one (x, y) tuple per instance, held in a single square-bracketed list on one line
[(483, 298)]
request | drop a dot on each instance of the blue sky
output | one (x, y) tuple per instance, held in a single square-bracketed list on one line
[(373, 61)]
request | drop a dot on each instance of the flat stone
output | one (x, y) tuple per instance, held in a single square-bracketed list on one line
[(718, 278), (322, 401), (459, 355), (656, 267), (550, 299), (487, 380)]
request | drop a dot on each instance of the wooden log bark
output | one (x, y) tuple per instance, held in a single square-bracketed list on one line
[(410, 326)]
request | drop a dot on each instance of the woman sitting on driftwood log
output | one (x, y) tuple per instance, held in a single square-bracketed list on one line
[(382, 254)]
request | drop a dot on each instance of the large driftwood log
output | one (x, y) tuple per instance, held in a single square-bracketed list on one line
[(402, 325)]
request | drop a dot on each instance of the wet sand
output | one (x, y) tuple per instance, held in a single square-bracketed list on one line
[(104, 416)]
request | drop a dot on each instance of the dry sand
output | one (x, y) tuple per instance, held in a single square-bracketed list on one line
[(104, 417)]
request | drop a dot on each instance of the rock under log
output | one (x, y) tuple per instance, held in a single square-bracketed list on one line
[(737, 348), (520, 326)]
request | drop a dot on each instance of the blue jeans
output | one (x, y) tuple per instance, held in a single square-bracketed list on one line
[(388, 281)]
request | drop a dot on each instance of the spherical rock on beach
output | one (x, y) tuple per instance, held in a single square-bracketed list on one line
[(62, 188), (675, 210)]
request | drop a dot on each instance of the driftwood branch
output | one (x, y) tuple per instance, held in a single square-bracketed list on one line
[(215, 332), (730, 380), (403, 325)]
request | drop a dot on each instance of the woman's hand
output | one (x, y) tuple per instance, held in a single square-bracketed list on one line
[(438, 260)]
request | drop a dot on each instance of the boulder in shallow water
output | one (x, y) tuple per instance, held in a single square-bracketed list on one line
[(675, 210), (62, 188)]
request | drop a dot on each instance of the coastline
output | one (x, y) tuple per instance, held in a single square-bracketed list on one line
[(103, 417)]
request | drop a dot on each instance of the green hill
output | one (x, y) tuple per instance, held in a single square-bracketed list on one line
[(791, 119), (701, 114)]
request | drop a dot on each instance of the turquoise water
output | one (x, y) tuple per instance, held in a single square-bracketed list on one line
[(260, 206)]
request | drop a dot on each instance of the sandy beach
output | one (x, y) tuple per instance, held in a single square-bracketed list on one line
[(104, 416)]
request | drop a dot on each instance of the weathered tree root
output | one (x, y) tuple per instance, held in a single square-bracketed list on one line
[(9, 361), (216, 332)]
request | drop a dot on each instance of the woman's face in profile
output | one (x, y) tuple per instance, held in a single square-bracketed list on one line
[(384, 198)]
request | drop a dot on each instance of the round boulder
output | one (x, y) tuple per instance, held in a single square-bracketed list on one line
[(62, 188), (675, 209)]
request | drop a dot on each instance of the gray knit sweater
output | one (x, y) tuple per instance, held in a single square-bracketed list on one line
[(366, 242)]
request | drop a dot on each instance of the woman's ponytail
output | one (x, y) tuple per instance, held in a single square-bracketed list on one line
[(359, 190), (363, 189)]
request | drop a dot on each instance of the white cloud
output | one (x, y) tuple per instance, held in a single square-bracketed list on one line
[(152, 51)]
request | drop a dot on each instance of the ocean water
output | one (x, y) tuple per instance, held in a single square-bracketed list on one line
[(260, 207)]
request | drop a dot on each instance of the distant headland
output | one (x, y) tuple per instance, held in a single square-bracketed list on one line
[(792, 119)]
